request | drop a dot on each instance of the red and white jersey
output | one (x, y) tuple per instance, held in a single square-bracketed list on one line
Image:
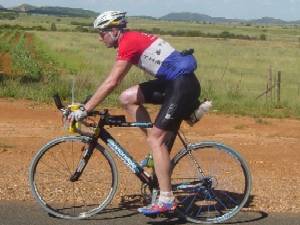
[(154, 55)]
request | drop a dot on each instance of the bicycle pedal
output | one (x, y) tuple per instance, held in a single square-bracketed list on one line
[(53, 216), (152, 216), (167, 214)]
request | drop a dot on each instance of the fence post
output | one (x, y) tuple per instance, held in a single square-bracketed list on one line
[(267, 87), (275, 87), (278, 87), (270, 84)]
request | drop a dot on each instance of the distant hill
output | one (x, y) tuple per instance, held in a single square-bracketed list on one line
[(23, 8), (186, 16), (58, 11), (64, 11), (269, 20), (144, 17), (178, 16)]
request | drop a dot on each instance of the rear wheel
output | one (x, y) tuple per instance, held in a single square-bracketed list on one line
[(51, 184), (211, 182)]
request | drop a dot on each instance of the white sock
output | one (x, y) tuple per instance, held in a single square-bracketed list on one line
[(166, 197)]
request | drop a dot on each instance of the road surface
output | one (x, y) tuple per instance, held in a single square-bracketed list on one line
[(30, 213)]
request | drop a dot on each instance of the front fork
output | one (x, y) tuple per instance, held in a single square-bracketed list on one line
[(87, 153)]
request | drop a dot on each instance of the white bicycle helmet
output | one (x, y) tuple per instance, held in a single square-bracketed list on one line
[(110, 19)]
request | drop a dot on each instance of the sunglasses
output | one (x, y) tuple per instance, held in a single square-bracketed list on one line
[(103, 32)]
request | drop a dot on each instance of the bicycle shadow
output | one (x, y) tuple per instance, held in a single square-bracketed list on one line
[(130, 203), (246, 215), (127, 208), (242, 217)]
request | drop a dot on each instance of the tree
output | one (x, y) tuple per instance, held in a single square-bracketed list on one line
[(53, 27), (263, 37)]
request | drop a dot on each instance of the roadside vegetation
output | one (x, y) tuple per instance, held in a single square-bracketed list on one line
[(47, 53), (32, 74)]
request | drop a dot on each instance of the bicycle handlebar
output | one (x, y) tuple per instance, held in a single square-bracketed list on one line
[(62, 108), (103, 114), (111, 120)]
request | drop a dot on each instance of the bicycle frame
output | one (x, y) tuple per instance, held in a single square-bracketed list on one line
[(121, 152), (106, 137)]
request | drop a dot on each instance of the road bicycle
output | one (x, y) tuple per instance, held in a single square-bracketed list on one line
[(75, 177)]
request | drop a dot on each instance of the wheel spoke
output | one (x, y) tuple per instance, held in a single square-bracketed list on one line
[(54, 169), (50, 179), (221, 202), (205, 169), (59, 162), (191, 204)]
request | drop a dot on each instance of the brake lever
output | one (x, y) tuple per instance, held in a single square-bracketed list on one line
[(65, 112)]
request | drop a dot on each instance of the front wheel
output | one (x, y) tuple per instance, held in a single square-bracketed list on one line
[(53, 186), (211, 182)]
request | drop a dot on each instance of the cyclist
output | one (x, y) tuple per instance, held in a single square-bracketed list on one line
[(175, 87)]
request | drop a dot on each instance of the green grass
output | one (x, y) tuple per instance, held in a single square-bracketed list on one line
[(232, 72), (62, 23), (273, 32)]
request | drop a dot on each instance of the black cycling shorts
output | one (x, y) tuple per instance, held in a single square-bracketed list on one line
[(178, 99)]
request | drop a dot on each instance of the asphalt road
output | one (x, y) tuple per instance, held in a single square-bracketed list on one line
[(29, 213)]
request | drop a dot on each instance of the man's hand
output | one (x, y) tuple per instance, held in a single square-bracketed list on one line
[(78, 115)]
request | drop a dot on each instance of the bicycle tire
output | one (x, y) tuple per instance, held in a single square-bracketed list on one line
[(51, 186), (214, 194)]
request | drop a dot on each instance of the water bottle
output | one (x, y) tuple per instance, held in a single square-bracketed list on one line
[(199, 112), (147, 162)]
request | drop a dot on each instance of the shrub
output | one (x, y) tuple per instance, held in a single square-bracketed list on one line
[(263, 37), (81, 29), (39, 28), (80, 23), (196, 33), (53, 27), (8, 16), (11, 27)]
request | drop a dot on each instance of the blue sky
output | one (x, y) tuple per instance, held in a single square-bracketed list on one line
[(233, 9)]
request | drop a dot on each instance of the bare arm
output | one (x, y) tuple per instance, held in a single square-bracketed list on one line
[(118, 72)]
